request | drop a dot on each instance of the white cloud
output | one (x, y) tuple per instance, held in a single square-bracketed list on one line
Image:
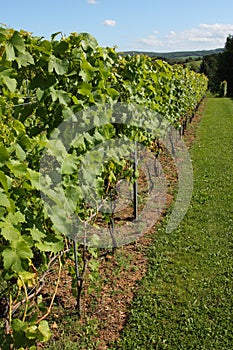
[(205, 36), (172, 33), (109, 22), (151, 40), (92, 2)]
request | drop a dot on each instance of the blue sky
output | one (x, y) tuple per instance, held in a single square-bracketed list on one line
[(148, 25)]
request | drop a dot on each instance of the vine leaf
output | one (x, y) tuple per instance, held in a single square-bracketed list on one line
[(4, 201), (58, 65), (17, 42), (44, 330), (10, 52), (46, 246), (9, 232), (4, 156), (24, 59), (37, 235), (11, 83), (14, 256)]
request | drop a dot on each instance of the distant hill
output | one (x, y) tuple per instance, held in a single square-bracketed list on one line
[(176, 55)]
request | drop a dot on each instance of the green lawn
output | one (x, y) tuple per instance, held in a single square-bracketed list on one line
[(186, 299)]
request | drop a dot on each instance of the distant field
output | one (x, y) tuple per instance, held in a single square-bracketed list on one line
[(177, 54), (195, 65)]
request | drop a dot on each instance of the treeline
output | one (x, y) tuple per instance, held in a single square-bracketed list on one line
[(175, 55), (219, 70)]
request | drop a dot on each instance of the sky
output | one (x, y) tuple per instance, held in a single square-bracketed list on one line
[(144, 25)]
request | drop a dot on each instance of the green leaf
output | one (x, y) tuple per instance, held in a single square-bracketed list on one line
[(75, 100), (12, 258), (4, 181), (11, 83), (2, 212), (9, 232), (24, 59), (3, 29), (61, 95), (3, 35), (37, 235), (25, 142), (69, 164), (19, 127), (44, 330), (39, 94), (87, 71), (60, 66), (17, 41), (21, 155), (88, 41), (18, 325), (17, 168), (113, 93), (2, 38), (53, 247), (4, 156), (60, 47), (16, 218), (29, 278), (46, 46), (73, 195), (4, 201), (57, 149), (10, 52), (22, 249), (85, 89), (53, 36), (32, 332), (34, 178)]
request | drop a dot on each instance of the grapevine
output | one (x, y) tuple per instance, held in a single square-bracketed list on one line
[(42, 83)]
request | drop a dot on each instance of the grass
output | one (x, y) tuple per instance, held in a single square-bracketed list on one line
[(69, 331), (186, 299)]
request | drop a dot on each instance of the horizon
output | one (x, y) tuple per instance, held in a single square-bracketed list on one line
[(175, 51)]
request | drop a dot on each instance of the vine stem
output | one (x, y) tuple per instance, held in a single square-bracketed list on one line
[(135, 184), (80, 278), (9, 317), (112, 230), (26, 298), (76, 259), (54, 294)]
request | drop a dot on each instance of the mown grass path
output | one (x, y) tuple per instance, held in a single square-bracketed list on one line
[(186, 299)]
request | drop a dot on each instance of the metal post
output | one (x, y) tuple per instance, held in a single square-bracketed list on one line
[(135, 185)]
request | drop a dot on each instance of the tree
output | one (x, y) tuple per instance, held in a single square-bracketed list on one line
[(209, 67), (219, 69), (225, 65)]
